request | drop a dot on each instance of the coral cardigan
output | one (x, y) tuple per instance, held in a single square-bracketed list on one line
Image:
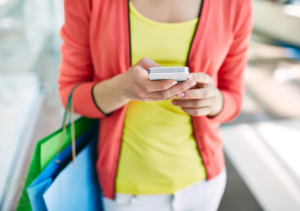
[(96, 47)]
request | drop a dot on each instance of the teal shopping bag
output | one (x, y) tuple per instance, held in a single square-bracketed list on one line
[(46, 149), (44, 180), (77, 188)]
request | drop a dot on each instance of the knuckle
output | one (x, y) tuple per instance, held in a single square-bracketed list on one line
[(146, 99), (158, 95), (197, 112), (208, 110), (188, 94), (147, 87), (140, 94), (165, 94), (165, 85), (144, 60), (199, 103), (182, 88), (214, 100), (200, 113), (205, 93), (136, 72), (201, 77)]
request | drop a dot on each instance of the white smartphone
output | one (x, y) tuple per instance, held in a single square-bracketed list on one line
[(162, 73)]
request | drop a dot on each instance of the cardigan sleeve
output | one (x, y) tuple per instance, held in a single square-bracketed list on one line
[(76, 64), (230, 75)]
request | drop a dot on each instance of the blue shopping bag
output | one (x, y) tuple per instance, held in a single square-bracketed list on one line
[(44, 180), (77, 188)]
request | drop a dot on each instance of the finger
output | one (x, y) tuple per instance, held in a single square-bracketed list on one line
[(180, 88), (150, 99), (154, 86), (198, 111), (173, 91), (146, 63), (201, 93), (161, 98), (202, 78), (194, 103), (141, 68)]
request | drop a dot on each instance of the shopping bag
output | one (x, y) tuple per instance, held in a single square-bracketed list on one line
[(77, 188), (46, 149), (38, 187)]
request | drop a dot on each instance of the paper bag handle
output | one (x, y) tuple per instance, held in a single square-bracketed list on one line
[(69, 112)]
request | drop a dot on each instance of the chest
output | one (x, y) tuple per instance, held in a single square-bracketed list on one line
[(111, 47), (168, 11), (167, 44)]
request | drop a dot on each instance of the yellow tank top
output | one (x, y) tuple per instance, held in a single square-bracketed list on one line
[(159, 153)]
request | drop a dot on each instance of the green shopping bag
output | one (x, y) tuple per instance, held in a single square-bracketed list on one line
[(46, 149)]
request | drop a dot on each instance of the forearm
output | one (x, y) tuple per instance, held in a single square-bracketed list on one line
[(109, 94)]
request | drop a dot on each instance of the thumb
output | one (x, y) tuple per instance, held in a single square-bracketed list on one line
[(201, 78)]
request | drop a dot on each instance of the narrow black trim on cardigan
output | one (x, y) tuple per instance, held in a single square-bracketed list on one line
[(97, 104), (199, 18)]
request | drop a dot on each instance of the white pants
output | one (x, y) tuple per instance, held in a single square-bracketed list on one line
[(201, 196)]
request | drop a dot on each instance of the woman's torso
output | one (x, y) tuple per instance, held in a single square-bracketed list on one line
[(109, 50), (159, 153)]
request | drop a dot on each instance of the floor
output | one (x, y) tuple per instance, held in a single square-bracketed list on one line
[(237, 196)]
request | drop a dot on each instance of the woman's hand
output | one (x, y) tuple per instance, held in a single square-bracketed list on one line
[(114, 93), (137, 86), (203, 99)]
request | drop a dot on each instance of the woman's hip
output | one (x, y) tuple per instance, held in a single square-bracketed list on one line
[(203, 195)]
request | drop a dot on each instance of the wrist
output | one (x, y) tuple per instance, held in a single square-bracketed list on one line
[(108, 94), (121, 87)]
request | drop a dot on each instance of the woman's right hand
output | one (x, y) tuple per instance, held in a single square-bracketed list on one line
[(112, 94), (137, 86)]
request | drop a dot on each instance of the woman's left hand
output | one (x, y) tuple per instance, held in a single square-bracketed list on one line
[(202, 99)]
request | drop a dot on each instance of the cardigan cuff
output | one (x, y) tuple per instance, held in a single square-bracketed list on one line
[(83, 101)]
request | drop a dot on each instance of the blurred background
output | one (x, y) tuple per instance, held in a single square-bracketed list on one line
[(262, 146)]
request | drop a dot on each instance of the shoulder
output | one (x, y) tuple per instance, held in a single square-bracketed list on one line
[(236, 4), (235, 12), (236, 7), (82, 6)]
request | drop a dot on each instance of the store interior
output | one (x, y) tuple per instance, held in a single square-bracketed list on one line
[(261, 145)]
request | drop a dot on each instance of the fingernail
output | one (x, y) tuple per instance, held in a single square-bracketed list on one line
[(173, 82), (191, 83), (173, 102), (190, 77), (180, 95)]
